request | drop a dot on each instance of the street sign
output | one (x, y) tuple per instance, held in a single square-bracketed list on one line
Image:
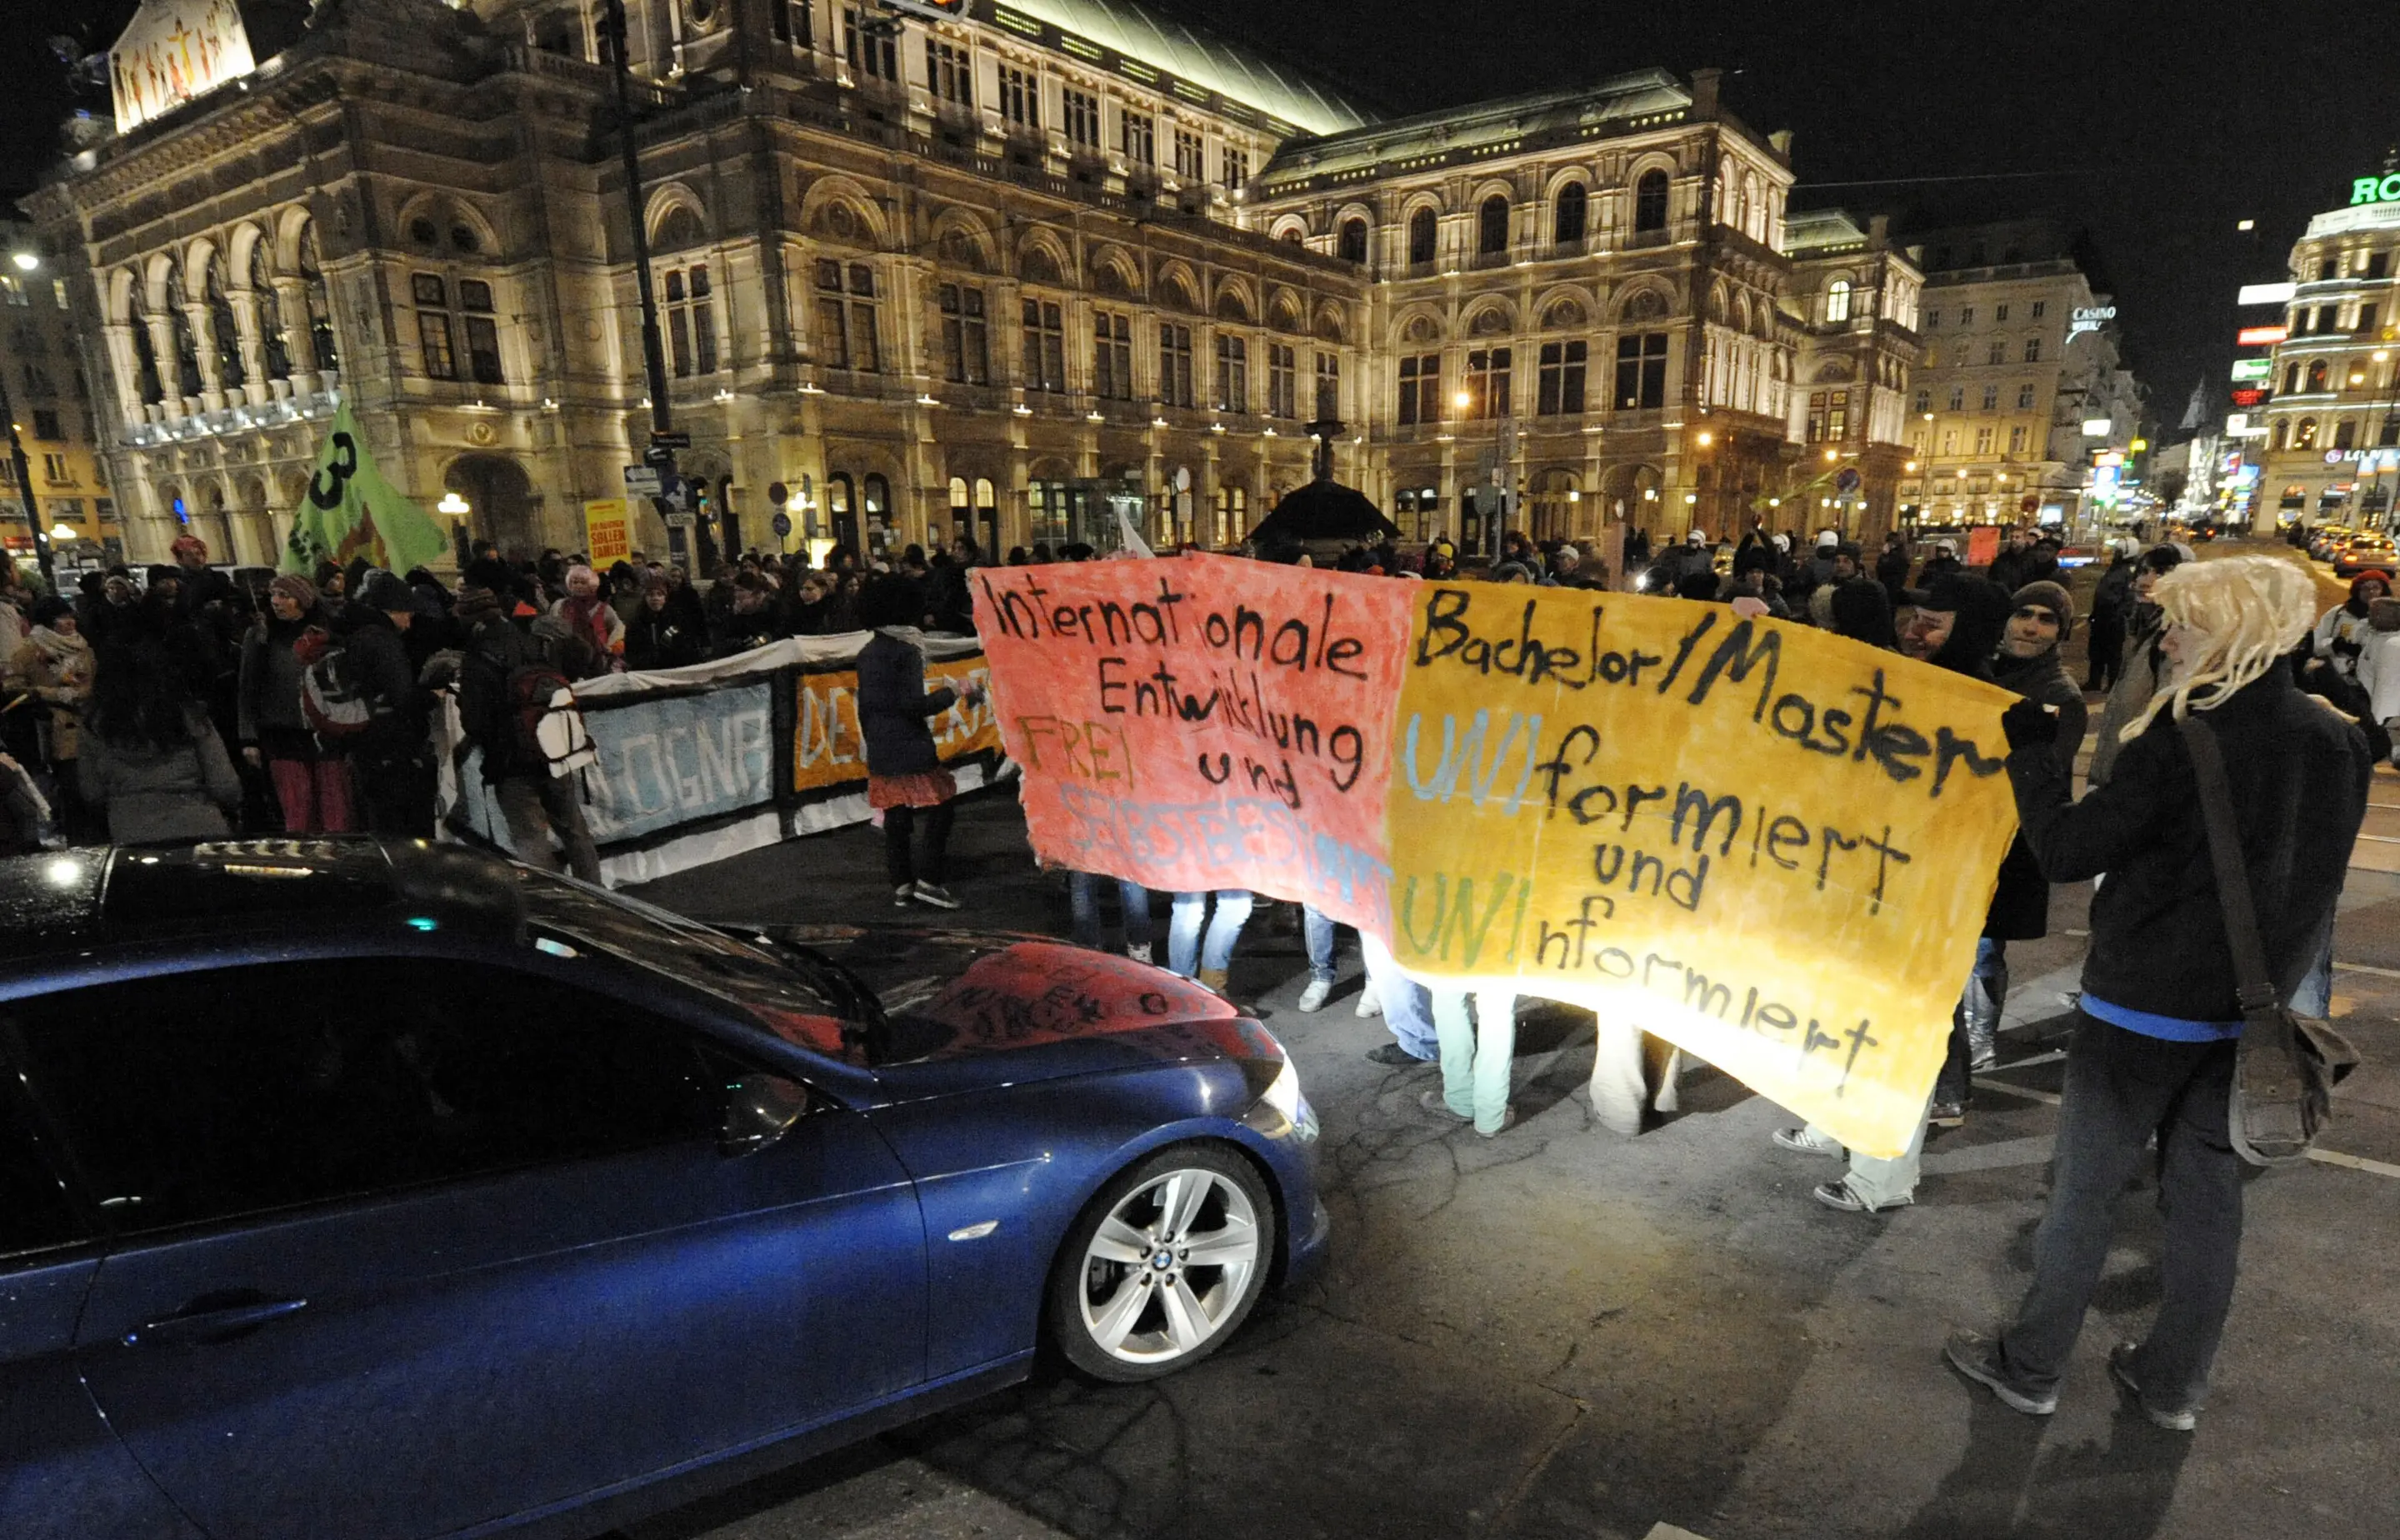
[(2253, 369), (671, 441), (641, 481), (659, 454), (1847, 481), (782, 525)]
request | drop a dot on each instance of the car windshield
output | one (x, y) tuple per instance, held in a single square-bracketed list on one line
[(800, 997)]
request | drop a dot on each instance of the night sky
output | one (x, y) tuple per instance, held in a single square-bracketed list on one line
[(2155, 125)]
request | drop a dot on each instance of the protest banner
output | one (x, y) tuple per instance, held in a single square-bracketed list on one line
[(1203, 722), (1770, 845), (827, 750), (1983, 545), (350, 510), (607, 532)]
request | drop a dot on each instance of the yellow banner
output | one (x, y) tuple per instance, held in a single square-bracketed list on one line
[(827, 751), (1768, 844), (607, 536)]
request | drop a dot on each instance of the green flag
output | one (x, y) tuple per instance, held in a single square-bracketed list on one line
[(350, 510)]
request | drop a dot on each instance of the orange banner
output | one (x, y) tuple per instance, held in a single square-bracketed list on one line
[(827, 749)]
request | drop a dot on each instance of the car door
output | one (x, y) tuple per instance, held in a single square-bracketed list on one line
[(63, 1475), (415, 1244)]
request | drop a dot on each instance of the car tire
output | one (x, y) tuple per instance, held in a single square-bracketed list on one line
[(1163, 1265)]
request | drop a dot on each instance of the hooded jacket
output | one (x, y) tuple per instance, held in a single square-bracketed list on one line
[(2020, 908)]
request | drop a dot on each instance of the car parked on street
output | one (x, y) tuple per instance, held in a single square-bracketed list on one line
[(2367, 553), (383, 1190)]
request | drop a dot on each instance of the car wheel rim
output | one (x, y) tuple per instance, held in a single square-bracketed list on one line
[(1168, 1266)]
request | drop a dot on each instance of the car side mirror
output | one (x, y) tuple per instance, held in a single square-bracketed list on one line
[(759, 1109)]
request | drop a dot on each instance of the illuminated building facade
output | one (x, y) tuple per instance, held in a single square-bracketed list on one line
[(51, 401), (2333, 422)]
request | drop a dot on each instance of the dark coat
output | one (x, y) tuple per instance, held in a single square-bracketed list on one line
[(2021, 904), (2298, 775), (894, 706), (658, 639), (377, 658)]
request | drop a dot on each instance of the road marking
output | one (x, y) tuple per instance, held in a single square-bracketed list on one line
[(2363, 968), (2355, 1163), (2045, 1097)]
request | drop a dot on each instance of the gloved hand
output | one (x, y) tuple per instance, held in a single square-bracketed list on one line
[(2028, 727)]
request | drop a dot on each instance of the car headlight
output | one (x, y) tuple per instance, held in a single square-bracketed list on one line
[(1283, 1095)]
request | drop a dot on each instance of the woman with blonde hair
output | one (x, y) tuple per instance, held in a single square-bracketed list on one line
[(2161, 1016)]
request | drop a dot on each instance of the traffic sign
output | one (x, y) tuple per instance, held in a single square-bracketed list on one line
[(641, 481), (671, 441), (659, 454), (1847, 481), (782, 523)]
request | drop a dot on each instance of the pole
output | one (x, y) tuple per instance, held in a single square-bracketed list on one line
[(26, 491), (654, 364)]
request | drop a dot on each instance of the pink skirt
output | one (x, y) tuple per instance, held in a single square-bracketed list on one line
[(924, 789)]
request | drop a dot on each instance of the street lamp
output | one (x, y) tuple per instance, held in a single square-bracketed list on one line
[(452, 504), (26, 262)]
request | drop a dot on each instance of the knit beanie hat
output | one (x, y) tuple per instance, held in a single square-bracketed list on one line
[(2049, 596), (475, 605), (292, 586), (384, 592)]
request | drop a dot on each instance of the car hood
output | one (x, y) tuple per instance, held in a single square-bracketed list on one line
[(967, 1009)]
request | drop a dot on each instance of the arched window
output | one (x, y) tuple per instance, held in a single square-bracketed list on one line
[(1837, 302), (1353, 247), (962, 508), (2305, 436), (2317, 375), (1421, 236), (1492, 227), (275, 354), (1567, 224), (1650, 202), (223, 335), (321, 303), (145, 351)]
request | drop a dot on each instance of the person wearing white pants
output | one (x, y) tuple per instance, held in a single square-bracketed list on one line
[(1476, 1057), (1632, 1072)]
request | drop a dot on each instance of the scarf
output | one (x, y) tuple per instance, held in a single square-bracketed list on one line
[(70, 655)]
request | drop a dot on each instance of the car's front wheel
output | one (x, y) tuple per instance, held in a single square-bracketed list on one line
[(1164, 1265)]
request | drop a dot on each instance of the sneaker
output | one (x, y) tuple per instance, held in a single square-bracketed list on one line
[(1367, 1005), (2121, 1369), (1948, 1114), (1140, 953), (1313, 998), (901, 894), (1975, 1356), (1802, 1142), (1507, 1121), (1434, 1102), (936, 894), (1396, 1056), (1843, 1196)]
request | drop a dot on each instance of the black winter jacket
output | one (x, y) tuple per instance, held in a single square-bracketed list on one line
[(894, 706), (2298, 774), (2021, 904), (378, 659)]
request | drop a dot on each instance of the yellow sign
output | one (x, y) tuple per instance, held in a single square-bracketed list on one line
[(607, 534), (1770, 845)]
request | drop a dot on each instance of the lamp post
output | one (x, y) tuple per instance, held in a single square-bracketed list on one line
[(26, 262), (457, 507), (654, 366)]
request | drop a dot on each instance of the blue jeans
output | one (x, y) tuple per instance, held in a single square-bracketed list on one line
[(1317, 930), (2315, 997), (1083, 903), (1187, 953), (1407, 1006)]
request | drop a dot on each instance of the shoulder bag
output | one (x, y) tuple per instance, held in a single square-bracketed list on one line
[(2287, 1065)]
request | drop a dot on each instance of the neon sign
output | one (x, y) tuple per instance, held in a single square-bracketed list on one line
[(2262, 337), (2374, 189), (2088, 318)]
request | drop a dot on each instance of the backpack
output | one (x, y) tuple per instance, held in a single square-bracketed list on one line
[(330, 696), (547, 730)]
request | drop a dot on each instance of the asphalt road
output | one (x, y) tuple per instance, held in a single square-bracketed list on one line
[(1563, 1332)]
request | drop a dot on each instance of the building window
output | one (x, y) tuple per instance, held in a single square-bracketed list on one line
[(484, 332), (46, 424), (1283, 381), (2291, 379), (2025, 398), (2017, 439), (2368, 315), (1924, 400), (1175, 387), (1991, 398), (1574, 207), (2033, 350), (1958, 398), (1641, 369), (792, 21), (1837, 302), (1492, 227), (846, 329), (2305, 436), (1233, 514), (873, 48), (1966, 314), (1650, 202), (1083, 118), (1020, 97), (1046, 346), (1982, 441), (2040, 308), (1112, 356), (966, 341), (1488, 395), (1137, 134), (54, 469), (1949, 440), (2378, 264), (950, 70), (1419, 389), (1234, 166), (1232, 373), (691, 328), (1351, 245), (1559, 389), (1997, 353), (2317, 375), (1191, 164), (1329, 387), (274, 352), (1999, 312), (1421, 236), (2345, 434), (1932, 319), (1829, 416), (433, 326)]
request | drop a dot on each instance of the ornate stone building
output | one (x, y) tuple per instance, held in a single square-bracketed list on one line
[(930, 268), (1856, 296), (2332, 450)]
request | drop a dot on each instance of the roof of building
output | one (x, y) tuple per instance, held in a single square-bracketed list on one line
[(1817, 232), (1137, 32), (1619, 101)]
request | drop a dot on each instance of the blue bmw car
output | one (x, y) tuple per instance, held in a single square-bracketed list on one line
[(384, 1191)]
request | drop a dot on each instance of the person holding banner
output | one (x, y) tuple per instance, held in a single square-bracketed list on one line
[(1477, 1056), (1199, 942), (2159, 1020), (903, 768)]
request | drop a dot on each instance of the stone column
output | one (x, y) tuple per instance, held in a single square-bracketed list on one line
[(204, 344), (253, 351), (299, 339), (162, 350), (124, 368)]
